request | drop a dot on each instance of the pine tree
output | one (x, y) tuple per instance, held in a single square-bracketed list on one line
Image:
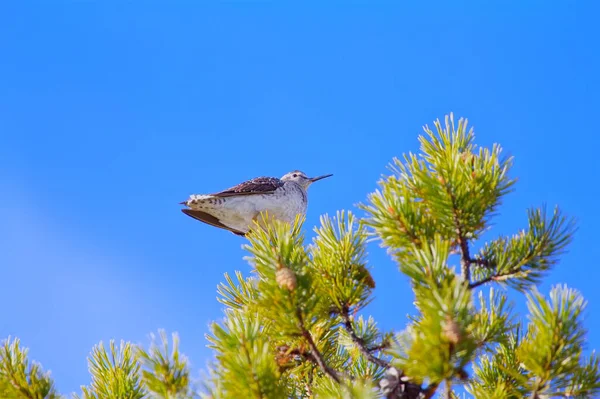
[(298, 327)]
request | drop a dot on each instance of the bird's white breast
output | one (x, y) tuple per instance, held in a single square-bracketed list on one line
[(285, 203), (239, 212)]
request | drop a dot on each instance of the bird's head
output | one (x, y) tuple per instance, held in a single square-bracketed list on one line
[(301, 178)]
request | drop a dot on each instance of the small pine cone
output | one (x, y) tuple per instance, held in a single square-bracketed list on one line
[(366, 277), (451, 331), (282, 357), (286, 278), (369, 281)]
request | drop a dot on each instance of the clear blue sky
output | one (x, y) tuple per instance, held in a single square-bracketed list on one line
[(113, 112)]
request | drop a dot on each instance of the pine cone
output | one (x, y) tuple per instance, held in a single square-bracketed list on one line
[(365, 276), (287, 357), (286, 278)]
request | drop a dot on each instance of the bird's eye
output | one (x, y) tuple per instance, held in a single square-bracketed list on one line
[(295, 175)]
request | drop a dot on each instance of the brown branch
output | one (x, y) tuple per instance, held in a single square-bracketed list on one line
[(483, 263), (514, 270), (381, 346), (482, 281), (430, 390), (410, 390), (318, 358), (360, 343), (465, 256), (495, 277)]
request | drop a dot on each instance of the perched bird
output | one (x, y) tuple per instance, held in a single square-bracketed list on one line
[(236, 208)]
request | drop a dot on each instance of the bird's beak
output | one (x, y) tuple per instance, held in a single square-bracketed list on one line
[(314, 179)]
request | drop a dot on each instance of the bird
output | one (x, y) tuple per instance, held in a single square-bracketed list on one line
[(237, 208)]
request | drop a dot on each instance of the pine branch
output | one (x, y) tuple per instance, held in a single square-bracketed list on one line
[(465, 256), (486, 264), (495, 277), (339, 262), (165, 372), (21, 379), (114, 374), (494, 321), (491, 278), (523, 259), (244, 355), (430, 391), (481, 282), (465, 260), (552, 349), (359, 341), (316, 355), (259, 390), (375, 348)]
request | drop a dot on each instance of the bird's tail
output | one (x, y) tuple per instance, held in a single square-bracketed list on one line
[(212, 220)]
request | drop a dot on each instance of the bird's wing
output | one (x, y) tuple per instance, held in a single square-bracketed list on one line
[(209, 219), (259, 185)]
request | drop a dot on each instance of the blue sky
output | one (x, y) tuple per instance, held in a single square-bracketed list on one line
[(113, 112)]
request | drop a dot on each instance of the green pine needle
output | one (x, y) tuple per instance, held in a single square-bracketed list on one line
[(115, 373), (165, 372), (21, 379)]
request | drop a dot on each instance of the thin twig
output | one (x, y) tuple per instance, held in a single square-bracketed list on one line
[(465, 256), (482, 282), (482, 263), (430, 390), (495, 277), (360, 343), (381, 346), (315, 351)]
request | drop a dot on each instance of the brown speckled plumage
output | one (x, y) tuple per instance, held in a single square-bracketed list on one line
[(258, 185)]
